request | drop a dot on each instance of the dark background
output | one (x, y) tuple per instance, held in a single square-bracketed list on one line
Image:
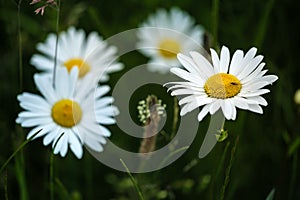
[(268, 149)]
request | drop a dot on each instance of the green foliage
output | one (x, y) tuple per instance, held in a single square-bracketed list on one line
[(266, 155)]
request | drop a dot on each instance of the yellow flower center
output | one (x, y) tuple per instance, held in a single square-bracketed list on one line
[(169, 48), (66, 113), (82, 66), (222, 86)]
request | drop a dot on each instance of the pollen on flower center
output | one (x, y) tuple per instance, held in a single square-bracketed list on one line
[(66, 113), (82, 66), (222, 86), (169, 48)]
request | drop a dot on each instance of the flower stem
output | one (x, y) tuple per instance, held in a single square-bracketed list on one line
[(136, 186), (263, 24), (51, 176), (227, 176), (215, 22), (15, 152), (217, 121), (56, 42), (20, 47), (5, 186), (294, 175), (20, 174), (175, 117)]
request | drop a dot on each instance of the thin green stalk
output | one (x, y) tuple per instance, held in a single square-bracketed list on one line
[(15, 152), (218, 171), (88, 177), (261, 31), (20, 46), (5, 186), (215, 22), (51, 176), (63, 191), (56, 42), (172, 154), (228, 170), (175, 118), (135, 184), (294, 175), (20, 174)]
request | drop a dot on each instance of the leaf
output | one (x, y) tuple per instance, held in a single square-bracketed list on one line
[(294, 146), (271, 195)]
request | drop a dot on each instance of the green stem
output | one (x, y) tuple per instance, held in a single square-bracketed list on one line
[(20, 174), (227, 176), (216, 124), (261, 31), (56, 42), (20, 47), (63, 191), (172, 154), (215, 22), (219, 168), (15, 152), (135, 184), (89, 177), (51, 176), (5, 186), (294, 175), (175, 118)]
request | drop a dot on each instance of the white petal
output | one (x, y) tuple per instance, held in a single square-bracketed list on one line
[(33, 102), (103, 102), (270, 78), (105, 119), (186, 91), (236, 61), (104, 131), (249, 56), (253, 75), (224, 59), (215, 106), (61, 87), (36, 121), (240, 102), (255, 108), (51, 136), (190, 98), (255, 86), (33, 131), (76, 146), (259, 100), (249, 67), (59, 142), (227, 109), (45, 87), (215, 60), (252, 94), (203, 112), (102, 90), (188, 63), (186, 75), (93, 144), (203, 64)]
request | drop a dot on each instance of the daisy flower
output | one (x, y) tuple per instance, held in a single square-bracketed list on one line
[(90, 54), (66, 118), (224, 84), (165, 34)]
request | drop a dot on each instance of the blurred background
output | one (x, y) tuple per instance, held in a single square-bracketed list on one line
[(266, 157)]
